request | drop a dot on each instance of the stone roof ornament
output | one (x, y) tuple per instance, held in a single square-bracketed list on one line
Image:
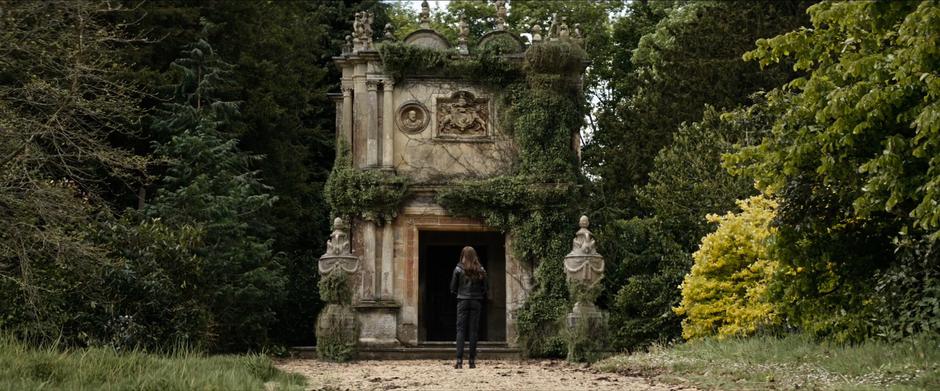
[(425, 15), (578, 37), (389, 32), (552, 32), (348, 47), (536, 32), (500, 15), (463, 31), (362, 31), (563, 33)]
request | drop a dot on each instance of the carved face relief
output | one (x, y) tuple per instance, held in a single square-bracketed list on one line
[(462, 115), (413, 117)]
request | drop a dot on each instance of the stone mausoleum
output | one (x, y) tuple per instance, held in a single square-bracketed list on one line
[(432, 130)]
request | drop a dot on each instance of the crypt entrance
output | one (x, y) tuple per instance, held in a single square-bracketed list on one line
[(438, 253)]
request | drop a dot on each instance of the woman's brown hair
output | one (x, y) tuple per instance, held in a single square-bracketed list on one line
[(471, 264)]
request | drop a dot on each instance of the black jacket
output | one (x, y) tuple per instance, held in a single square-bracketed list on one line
[(467, 288)]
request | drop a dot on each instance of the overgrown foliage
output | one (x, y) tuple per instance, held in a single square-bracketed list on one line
[(337, 325), (369, 194), (727, 292)]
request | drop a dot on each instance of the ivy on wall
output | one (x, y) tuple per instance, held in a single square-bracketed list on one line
[(369, 194)]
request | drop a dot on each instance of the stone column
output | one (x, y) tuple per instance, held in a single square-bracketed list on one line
[(388, 124), (347, 130), (372, 140)]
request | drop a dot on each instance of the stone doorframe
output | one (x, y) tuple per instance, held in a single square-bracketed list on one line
[(429, 217)]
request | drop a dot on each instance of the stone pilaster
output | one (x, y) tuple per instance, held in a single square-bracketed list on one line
[(372, 126), (347, 119), (388, 124)]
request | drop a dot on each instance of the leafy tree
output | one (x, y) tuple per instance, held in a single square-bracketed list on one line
[(854, 159), (61, 101), (688, 181), (727, 292), (691, 58)]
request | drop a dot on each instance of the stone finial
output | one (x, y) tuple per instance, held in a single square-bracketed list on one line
[(348, 47), (583, 264), (338, 252), (389, 32), (583, 242), (536, 33), (369, 17), (338, 244), (463, 31), (425, 15), (563, 32), (578, 36), (552, 32), (362, 31), (500, 14)]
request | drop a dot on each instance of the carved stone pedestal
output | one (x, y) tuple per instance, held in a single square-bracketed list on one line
[(586, 324), (337, 324)]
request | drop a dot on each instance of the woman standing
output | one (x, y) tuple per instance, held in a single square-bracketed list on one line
[(469, 284)]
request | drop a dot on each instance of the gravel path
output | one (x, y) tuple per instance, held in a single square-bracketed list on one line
[(440, 375)]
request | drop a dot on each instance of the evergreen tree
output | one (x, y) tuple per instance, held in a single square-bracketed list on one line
[(209, 189)]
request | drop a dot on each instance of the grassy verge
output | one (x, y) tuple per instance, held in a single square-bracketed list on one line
[(789, 363), (25, 368)]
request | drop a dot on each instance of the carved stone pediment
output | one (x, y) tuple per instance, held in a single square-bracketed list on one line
[(427, 38), (462, 115)]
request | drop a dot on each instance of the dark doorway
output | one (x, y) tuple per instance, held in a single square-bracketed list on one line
[(438, 254)]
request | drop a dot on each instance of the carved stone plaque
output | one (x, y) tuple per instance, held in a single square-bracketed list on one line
[(412, 117), (462, 115)]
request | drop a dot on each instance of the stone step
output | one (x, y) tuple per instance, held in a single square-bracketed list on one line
[(424, 351)]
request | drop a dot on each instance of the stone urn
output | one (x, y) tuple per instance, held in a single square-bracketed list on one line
[(586, 324), (337, 324)]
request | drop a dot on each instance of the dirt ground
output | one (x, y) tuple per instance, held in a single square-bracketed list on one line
[(440, 375)]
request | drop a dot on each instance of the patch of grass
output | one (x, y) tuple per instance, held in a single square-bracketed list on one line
[(27, 368), (789, 363)]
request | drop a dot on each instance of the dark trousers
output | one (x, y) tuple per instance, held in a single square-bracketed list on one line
[(468, 314)]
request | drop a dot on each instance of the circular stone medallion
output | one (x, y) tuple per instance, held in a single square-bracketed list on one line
[(412, 117)]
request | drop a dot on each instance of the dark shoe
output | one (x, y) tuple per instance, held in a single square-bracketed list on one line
[(473, 364), (459, 364)]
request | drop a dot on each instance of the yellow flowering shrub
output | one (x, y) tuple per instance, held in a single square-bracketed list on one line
[(726, 292)]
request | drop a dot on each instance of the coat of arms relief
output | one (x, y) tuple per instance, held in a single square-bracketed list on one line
[(462, 115)]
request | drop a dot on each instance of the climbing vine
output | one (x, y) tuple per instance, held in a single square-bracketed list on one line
[(369, 194)]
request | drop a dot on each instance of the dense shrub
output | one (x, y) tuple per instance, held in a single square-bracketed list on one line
[(644, 268), (726, 294)]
